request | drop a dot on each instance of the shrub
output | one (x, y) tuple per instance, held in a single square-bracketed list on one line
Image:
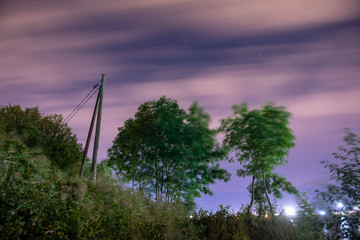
[(40, 201)]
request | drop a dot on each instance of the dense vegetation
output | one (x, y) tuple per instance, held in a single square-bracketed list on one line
[(44, 135), (42, 197), (38, 201)]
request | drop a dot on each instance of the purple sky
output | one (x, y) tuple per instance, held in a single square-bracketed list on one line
[(302, 54)]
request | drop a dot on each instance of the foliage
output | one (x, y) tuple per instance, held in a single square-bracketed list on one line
[(27, 193), (345, 170), (47, 135), (59, 143), (168, 153), (269, 228), (40, 202), (21, 124), (309, 224), (222, 224), (225, 224), (261, 140)]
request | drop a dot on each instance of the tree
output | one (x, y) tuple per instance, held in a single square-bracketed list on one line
[(44, 134), (345, 171), (261, 140), (167, 153)]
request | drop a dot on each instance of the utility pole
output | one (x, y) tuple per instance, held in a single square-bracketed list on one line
[(97, 131), (89, 136)]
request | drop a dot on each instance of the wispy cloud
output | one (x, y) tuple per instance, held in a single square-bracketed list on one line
[(301, 54)]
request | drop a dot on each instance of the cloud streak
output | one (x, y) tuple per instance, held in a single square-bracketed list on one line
[(301, 54)]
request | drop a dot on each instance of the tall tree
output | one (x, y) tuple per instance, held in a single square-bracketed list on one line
[(168, 153), (261, 140), (345, 171)]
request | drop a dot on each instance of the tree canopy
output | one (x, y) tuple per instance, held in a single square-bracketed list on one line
[(46, 134), (167, 153), (261, 140)]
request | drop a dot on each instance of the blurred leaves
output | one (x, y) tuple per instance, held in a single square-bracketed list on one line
[(308, 223), (167, 153), (345, 171), (38, 201), (47, 134), (41, 199), (261, 140)]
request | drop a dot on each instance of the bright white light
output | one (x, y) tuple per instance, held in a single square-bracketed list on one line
[(290, 211), (340, 205), (322, 212)]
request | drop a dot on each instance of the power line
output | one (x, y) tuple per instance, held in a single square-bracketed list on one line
[(82, 103), (81, 106)]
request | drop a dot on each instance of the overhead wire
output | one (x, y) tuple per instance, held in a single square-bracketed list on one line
[(82, 103), (80, 107)]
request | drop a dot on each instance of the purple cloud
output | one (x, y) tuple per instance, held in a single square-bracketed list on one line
[(301, 54)]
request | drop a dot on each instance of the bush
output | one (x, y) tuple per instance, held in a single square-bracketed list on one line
[(40, 201), (225, 224), (222, 224)]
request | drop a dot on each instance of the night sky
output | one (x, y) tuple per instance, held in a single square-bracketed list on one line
[(302, 54)]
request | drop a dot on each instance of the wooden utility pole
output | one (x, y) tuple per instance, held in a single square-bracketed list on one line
[(97, 111), (89, 136), (97, 131)]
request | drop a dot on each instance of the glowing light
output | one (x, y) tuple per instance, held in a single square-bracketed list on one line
[(322, 212), (340, 205), (290, 211)]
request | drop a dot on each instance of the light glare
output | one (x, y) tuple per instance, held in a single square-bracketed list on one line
[(322, 212), (290, 211)]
